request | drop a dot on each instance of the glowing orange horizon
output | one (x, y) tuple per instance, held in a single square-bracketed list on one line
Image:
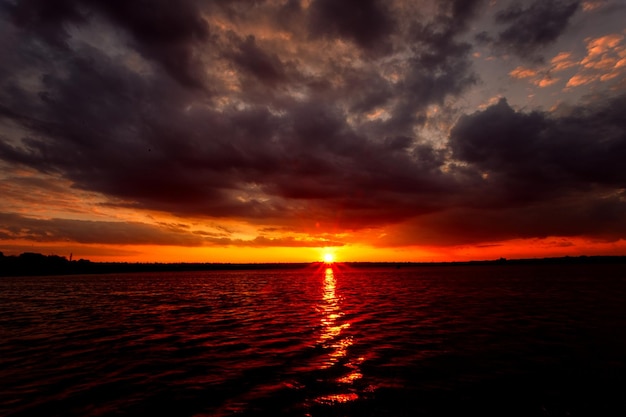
[(512, 249)]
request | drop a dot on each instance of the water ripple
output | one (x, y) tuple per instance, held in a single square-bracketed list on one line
[(317, 342)]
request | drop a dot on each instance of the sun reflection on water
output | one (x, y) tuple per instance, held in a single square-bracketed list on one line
[(332, 311), (333, 338)]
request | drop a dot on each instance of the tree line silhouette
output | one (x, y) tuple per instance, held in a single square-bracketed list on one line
[(30, 264)]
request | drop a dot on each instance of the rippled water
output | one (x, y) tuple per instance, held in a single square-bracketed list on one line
[(493, 340)]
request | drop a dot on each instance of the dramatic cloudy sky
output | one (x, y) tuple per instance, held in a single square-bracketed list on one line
[(267, 130)]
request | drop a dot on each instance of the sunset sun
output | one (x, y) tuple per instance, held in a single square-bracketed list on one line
[(329, 258)]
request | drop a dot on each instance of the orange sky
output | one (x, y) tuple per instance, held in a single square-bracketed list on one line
[(529, 248)]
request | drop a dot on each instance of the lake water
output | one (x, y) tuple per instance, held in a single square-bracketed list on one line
[(429, 341)]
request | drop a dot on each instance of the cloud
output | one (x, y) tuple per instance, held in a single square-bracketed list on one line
[(528, 175), (521, 73), (17, 227), (535, 175), (605, 61), (590, 216), (249, 152), (536, 153), (527, 29), (264, 67), (304, 117), (562, 61), (538, 78), (77, 251), (365, 22), (292, 242), (163, 31), (439, 66), (589, 6)]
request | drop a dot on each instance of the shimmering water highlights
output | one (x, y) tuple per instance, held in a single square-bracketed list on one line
[(493, 340)]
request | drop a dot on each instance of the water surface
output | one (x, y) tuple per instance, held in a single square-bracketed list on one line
[(433, 341)]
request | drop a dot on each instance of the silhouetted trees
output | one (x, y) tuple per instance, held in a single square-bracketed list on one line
[(37, 264), (29, 263)]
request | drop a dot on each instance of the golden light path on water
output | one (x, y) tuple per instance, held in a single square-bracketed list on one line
[(331, 337)]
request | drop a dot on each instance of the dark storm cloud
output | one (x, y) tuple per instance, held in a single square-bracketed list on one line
[(135, 137), (591, 216), (462, 10), (266, 68), (528, 175), (166, 31), (529, 28), (163, 30), (111, 129), (535, 155), (366, 22), (293, 135), (534, 175), (86, 141), (45, 18), (13, 226), (439, 67)]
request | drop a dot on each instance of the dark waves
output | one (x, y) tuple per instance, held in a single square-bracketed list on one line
[(494, 340)]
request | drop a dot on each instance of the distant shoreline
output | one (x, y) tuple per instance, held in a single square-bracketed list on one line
[(35, 264)]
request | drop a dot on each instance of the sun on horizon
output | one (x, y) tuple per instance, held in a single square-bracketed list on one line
[(329, 258)]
